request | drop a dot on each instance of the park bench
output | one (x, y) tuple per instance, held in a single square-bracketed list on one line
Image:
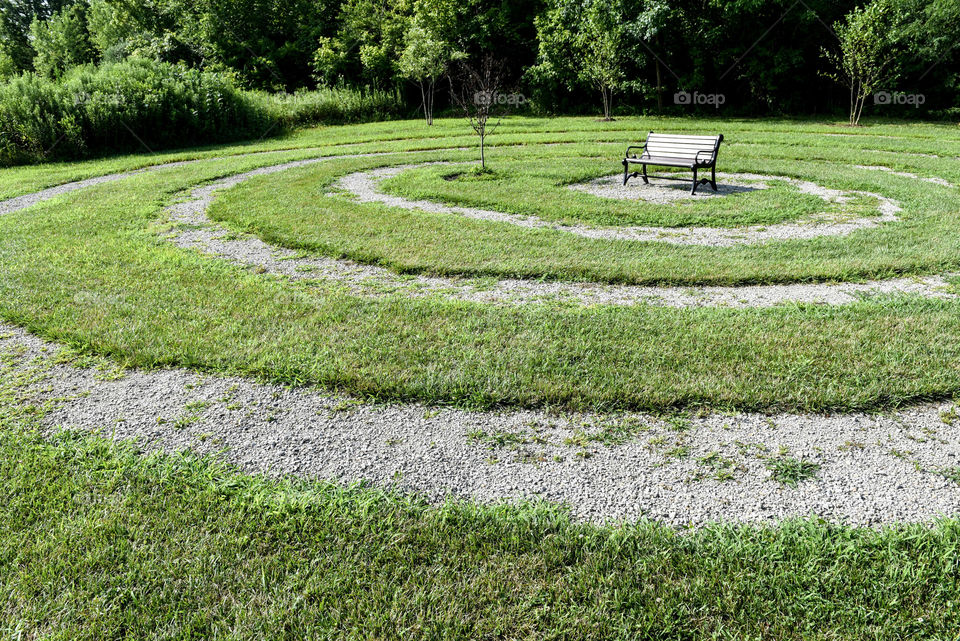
[(675, 150)]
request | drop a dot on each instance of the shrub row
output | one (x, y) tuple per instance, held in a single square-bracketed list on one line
[(146, 105)]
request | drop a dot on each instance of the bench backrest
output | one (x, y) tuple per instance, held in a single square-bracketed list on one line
[(683, 147)]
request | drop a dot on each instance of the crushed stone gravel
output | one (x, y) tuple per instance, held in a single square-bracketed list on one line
[(364, 186), (196, 231), (868, 470)]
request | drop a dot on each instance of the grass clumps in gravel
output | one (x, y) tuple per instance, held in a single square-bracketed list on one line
[(790, 471), (952, 474)]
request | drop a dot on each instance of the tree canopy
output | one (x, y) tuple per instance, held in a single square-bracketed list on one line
[(764, 56)]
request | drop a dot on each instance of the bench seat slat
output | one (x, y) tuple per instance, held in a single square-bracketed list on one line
[(666, 145), (662, 160), (657, 150)]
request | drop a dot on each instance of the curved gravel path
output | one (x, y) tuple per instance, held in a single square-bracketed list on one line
[(865, 469), (364, 187), (198, 232), (869, 469)]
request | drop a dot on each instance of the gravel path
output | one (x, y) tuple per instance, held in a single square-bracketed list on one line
[(196, 231), (872, 469), (864, 469), (364, 187), (199, 233)]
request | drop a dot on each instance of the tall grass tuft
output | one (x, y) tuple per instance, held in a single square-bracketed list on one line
[(329, 106)]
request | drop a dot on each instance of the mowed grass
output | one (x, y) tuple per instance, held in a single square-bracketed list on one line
[(810, 139), (91, 269), (537, 185), (100, 542), (292, 210)]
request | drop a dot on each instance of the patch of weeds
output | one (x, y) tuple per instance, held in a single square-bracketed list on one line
[(681, 451), (618, 432), (949, 417), (790, 471), (951, 474), (346, 405), (109, 371), (230, 236), (678, 423), (229, 394), (297, 255), (656, 442), (717, 466), (192, 412), (577, 439), (505, 439), (852, 445), (757, 449)]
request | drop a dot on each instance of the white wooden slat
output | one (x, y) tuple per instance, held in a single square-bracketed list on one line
[(682, 136), (666, 145), (683, 139), (683, 145)]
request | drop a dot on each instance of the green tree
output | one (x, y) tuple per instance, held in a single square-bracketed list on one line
[(16, 16), (266, 44), (8, 68), (164, 30), (424, 60), (654, 17), (587, 43), (867, 59), (62, 42), (367, 44)]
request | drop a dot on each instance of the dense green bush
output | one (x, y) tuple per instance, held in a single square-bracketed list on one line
[(145, 105), (342, 105), (123, 106)]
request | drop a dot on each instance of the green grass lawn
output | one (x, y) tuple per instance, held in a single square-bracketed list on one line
[(290, 210), (534, 184), (156, 305), (100, 542)]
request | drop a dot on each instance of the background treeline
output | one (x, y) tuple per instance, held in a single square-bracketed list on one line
[(378, 58)]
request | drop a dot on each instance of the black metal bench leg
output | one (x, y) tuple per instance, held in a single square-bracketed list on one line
[(626, 170), (713, 177), (645, 181), (695, 181)]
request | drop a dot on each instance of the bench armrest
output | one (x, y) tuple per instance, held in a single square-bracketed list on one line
[(710, 152), (627, 154)]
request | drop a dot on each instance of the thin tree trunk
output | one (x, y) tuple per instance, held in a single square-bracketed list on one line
[(483, 158), (430, 97), (423, 100), (853, 106)]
